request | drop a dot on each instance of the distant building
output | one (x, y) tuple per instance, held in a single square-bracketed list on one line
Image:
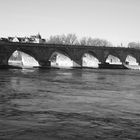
[(10, 39), (37, 39), (32, 39), (4, 39), (15, 39), (21, 39)]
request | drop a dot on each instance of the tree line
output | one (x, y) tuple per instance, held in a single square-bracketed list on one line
[(72, 39), (134, 45)]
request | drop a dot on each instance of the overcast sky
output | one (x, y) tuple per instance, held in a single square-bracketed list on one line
[(115, 20)]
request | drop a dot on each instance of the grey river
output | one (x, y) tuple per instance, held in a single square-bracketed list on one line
[(69, 104)]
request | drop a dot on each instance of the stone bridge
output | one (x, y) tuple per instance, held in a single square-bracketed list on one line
[(43, 52)]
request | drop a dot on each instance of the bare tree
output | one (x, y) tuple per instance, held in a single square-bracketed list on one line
[(57, 39), (83, 41), (134, 45), (94, 42), (70, 39)]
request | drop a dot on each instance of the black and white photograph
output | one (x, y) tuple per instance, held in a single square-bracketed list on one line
[(69, 69)]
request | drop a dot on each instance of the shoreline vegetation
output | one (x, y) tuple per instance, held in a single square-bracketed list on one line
[(68, 39)]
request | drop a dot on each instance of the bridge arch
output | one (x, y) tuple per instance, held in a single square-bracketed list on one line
[(131, 59), (29, 52), (90, 59), (22, 59), (113, 58), (60, 58)]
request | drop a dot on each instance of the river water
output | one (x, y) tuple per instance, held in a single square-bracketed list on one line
[(69, 104)]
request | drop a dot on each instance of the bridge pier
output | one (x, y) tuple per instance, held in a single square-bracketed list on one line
[(3, 61), (44, 63), (138, 61), (4, 56), (77, 63)]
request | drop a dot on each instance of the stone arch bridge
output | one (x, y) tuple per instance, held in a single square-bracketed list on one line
[(43, 52)]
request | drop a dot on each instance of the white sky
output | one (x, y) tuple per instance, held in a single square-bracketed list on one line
[(118, 21)]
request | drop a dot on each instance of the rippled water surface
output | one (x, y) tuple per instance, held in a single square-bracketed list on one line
[(64, 104)]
